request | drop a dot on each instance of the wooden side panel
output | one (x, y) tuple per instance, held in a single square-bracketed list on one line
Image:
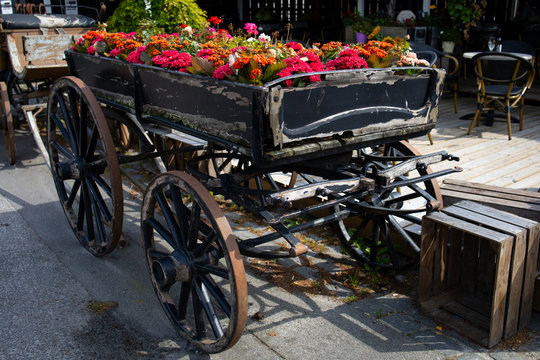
[(46, 49)]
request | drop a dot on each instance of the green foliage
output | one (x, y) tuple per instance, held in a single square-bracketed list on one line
[(127, 16), (450, 34), (170, 14), (164, 16), (363, 25)]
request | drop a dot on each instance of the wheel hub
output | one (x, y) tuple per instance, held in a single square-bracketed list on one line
[(173, 268), (69, 170)]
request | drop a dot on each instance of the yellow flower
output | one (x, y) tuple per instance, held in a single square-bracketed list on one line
[(432, 7), (374, 32)]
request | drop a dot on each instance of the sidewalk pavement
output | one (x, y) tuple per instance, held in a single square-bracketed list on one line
[(48, 281)]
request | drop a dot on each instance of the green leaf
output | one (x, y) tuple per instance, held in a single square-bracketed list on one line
[(272, 70)]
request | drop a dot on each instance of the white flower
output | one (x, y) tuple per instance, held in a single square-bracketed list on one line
[(188, 30), (264, 38), (232, 58)]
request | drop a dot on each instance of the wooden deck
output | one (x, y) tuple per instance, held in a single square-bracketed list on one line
[(487, 156)]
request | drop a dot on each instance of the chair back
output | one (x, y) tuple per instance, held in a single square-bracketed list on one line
[(502, 74), (429, 56)]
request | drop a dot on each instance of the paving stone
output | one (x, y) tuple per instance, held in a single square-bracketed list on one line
[(308, 272), (338, 289), (326, 264), (290, 262), (403, 323), (244, 234), (375, 307), (473, 356), (505, 355)]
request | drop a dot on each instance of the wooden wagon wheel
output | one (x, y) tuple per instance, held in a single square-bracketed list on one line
[(367, 237), (84, 165), (7, 123), (194, 262)]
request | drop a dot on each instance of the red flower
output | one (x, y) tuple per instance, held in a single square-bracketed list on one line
[(214, 20), (294, 45)]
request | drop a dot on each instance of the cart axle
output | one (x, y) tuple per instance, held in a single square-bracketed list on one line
[(173, 268)]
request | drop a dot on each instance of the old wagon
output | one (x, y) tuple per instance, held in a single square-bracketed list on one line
[(340, 143), (32, 57)]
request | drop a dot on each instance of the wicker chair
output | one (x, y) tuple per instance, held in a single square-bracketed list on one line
[(502, 79)]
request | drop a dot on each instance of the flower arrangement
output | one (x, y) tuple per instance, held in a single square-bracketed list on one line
[(248, 57)]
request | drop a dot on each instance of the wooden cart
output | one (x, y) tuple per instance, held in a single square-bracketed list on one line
[(31, 58), (340, 143)]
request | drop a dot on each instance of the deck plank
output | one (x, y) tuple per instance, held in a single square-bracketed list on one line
[(487, 156)]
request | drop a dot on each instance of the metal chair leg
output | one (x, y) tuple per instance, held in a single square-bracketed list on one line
[(508, 120), (474, 120)]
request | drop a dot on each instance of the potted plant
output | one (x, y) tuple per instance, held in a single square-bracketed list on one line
[(363, 28), (448, 38), (465, 14)]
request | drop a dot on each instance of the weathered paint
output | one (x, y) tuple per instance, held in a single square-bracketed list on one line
[(44, 48)]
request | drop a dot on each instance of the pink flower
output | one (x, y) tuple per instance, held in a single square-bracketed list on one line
[(173, 59), (251, 28), (91, 50), (296, 65), (347, 59), (222, 72), (135, 56), (115, 52)]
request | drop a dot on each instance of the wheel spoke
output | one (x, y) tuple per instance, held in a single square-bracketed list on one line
[(183, 300), (74, 190), (181, 214), (68, 120), (170, 219), (217, 294), (99, 201), (213, 269), (165, 234), (64, 131), (102, 184), (63, 150), (83, 129), (86, 203), (94, 137), (208, 307), (98, 217), (80, 212), (200, 330), (194, 225)]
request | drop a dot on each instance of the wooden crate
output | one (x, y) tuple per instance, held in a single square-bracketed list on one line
[(536, 300), (518, 202), (478, 263)]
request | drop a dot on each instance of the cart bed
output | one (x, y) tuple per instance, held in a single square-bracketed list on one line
[(349, 109)]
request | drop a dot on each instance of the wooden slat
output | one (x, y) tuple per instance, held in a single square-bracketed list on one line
[(529, 276), (427, 251)]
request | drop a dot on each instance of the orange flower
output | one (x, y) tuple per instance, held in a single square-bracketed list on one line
[(255, 73)]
